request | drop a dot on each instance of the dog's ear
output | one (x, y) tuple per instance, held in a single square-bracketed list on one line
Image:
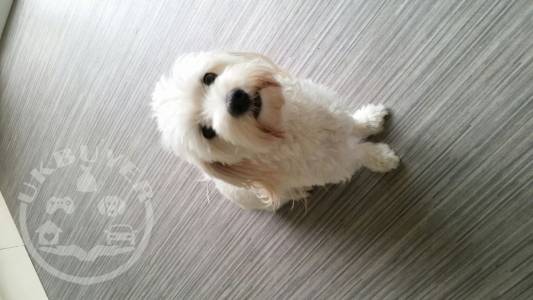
[(254, 135), (271, 119), (246, 174)]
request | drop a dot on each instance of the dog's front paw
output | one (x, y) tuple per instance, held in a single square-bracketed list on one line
[(371, 118), (379, 157)]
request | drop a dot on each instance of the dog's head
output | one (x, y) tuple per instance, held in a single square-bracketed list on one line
[(219, 111)]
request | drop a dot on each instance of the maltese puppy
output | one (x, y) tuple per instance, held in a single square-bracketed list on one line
[(263, 136)]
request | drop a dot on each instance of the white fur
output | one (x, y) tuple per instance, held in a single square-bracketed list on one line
[(299, 140)]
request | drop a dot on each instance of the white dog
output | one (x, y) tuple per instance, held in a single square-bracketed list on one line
[(263, 136)]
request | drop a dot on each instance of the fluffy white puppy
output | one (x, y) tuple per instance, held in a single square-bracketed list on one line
[(263, 136)]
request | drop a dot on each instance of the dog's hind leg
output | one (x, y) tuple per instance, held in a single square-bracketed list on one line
[(369, 120)]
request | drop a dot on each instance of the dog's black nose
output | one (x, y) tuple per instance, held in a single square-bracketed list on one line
[(238, 102)]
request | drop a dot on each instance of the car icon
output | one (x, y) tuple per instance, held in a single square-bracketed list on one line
[(120, 233)]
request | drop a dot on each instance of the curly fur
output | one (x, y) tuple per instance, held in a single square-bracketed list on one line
[(300, 139)]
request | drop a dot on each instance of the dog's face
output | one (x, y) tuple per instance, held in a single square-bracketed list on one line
[(219, 110)]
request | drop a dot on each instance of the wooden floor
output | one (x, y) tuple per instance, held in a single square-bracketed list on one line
[(454, 222)]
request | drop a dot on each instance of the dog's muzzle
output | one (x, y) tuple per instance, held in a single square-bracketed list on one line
[(239, 102)]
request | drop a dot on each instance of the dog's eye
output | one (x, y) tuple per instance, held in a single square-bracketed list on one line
[(209, 78), (208, 132)]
